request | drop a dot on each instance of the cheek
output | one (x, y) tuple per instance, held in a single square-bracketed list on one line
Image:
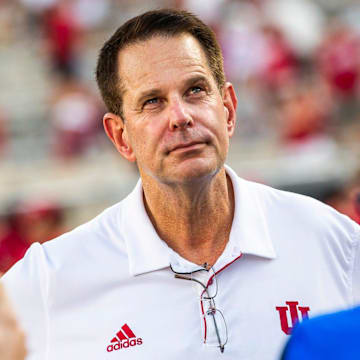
[(145, 138), (215, 121), (219, 130)]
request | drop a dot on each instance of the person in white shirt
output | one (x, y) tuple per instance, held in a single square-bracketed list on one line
[(196, 262)]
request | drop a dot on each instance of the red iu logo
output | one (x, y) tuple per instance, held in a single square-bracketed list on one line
[(294, 314)]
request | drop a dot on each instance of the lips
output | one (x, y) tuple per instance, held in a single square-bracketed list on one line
[(186, 145)]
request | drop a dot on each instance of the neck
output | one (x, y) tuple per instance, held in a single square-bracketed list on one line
[(194, 220)]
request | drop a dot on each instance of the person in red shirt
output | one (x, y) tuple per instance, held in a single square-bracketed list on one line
[(28, 223)]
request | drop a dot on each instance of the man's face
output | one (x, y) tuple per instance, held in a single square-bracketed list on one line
[(176, 123)]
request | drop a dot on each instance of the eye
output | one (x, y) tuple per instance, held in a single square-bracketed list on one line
[(151, 101), (195, 90)]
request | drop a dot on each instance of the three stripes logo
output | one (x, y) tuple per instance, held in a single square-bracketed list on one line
[(124, 339)]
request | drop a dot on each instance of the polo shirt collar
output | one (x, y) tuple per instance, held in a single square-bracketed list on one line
[(147, 252), (250, 229)]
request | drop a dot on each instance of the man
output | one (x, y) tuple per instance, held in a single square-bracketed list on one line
[(331, 337), (12, 340), (195, 263)]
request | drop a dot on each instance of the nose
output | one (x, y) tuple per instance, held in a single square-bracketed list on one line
[(179, 117)]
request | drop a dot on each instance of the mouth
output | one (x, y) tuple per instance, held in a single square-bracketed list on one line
[(187, 146)]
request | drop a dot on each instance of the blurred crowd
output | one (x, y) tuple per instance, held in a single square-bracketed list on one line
[(26, 223), (295, 65)]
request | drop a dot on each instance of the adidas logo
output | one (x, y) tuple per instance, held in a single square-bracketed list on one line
[(124, 338)]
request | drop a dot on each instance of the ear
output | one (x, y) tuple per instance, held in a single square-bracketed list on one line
[(230, 105), (116, 131)]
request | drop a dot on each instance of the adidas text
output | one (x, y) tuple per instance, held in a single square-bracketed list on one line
[(124, 344)]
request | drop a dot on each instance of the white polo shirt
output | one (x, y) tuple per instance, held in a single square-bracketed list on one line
[(105, 290)]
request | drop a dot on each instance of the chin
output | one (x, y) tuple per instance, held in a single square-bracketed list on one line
[(195, 170)]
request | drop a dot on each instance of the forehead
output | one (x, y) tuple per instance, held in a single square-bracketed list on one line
[(159, 61)]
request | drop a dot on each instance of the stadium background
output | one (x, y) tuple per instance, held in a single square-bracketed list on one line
[(295, 65)]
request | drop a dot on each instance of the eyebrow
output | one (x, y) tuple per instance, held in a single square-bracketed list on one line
[(148, 94), (151, 93), (197, 79)]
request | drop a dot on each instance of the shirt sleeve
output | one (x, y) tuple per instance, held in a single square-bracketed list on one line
[(26, 284)]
